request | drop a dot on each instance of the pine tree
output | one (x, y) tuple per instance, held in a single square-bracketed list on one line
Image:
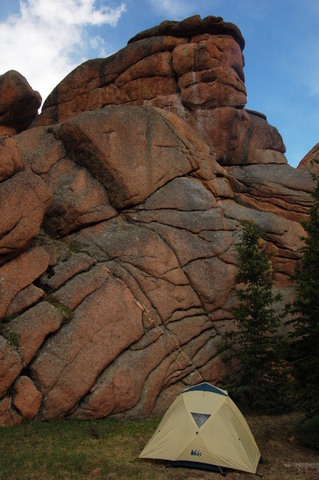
[(256, 347), (305, 323)]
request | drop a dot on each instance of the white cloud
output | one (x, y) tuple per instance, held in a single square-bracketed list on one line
[(45, 40)]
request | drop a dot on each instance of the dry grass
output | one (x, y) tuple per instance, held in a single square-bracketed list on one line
[(109, 449)]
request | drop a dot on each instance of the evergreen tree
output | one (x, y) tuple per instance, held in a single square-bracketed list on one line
[(256, 347), (305, 322)]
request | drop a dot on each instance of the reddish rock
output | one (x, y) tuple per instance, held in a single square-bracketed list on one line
[(193, 68), (24, 299), (148, 259), (158, 65), (93, 85), (21, 214), (41, 148), (241, 137), (78, 199), (278, 189), (191, 235), (283, 237), (82, 285), (136, 252), (105, 324), (32, 327), (215, 369), (27, 398), (181, 194), (211, 271), (19, 273), (8, 415), (19, 103), (10, 365), (106, 145), (309, 161), (210, 72), (11, 160), (119, 389), (146, 70), (61, 273), (193, 26)]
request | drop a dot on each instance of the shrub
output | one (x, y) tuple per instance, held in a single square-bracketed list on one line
[(307, 432)]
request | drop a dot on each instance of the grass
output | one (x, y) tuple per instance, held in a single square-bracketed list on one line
[(108, 449)]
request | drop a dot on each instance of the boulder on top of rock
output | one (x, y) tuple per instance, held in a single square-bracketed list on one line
[(196, 63), (19, 103), (193, 68)]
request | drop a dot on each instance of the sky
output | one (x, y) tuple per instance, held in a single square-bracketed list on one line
[(46, 39)]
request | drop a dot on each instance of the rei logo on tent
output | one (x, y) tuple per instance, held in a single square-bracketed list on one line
[(203, 428), (196, 453)]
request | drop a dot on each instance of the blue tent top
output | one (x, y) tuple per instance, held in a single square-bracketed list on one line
[(206, 387)]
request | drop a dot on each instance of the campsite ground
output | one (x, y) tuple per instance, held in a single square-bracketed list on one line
[(108, 450)]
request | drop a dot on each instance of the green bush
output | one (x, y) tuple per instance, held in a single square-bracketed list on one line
[(307, 432)]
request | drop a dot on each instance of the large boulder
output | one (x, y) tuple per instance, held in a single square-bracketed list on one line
[(19, 103)]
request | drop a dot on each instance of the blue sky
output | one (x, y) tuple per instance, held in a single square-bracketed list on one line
[(45, 39)]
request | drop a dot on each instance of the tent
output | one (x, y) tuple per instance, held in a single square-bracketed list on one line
[(202, 428)]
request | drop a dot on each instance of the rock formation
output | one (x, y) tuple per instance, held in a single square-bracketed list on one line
[(311, 160), (119, 211)]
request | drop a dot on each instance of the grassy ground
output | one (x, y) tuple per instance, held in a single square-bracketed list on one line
[(109, 449)]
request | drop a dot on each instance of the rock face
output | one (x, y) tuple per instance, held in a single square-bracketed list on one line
[(120, 209)]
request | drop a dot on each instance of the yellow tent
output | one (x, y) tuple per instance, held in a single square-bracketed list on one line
[(204, 427)]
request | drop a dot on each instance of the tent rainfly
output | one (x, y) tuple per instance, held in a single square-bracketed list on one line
[(203, 428)]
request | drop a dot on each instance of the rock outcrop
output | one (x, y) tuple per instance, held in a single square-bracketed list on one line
[(120, 209)]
